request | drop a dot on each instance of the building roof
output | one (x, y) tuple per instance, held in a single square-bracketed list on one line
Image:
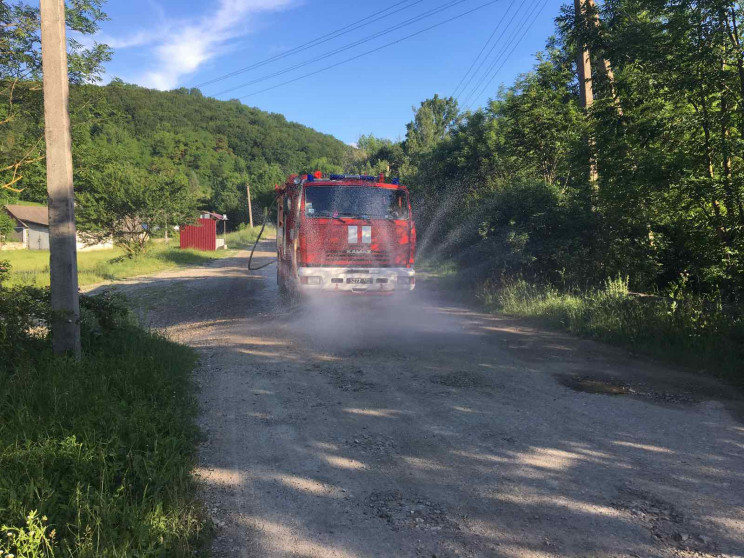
[(213, 215), (37, 214)]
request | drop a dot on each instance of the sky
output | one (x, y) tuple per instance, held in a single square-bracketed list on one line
[(293, 56)]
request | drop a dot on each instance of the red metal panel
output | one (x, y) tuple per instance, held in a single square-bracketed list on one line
[(202, 236)]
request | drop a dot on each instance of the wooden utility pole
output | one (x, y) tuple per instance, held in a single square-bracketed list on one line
[(250, 209), (584, 66), (609, 74), (62, 236), (584, 63)]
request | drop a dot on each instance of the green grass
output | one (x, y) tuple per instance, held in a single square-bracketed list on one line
[(31, 267), (96, 455), (691, 332), (246, 237)]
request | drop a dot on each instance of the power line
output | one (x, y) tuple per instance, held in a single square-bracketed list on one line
[(488, 41), (493, 47), (492, 61), (534, 17), (315, 42), (528, 15), (370, 51), (346, 47)]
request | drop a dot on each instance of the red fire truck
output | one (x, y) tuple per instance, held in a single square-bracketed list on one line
[(346, 233)]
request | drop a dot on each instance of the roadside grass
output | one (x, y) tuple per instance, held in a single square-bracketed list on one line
[(31, 267), (244, 238), (690, 331), (96, 455)]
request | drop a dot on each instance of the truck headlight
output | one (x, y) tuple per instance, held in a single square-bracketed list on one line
[(310, 280)]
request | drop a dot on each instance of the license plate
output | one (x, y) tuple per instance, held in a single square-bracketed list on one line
[(359, 280)]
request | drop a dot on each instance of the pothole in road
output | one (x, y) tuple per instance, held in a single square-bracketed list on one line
[(461, 380), (400, 512), (593, 385), (612, 386), (345, 380), (668, 525), (349, 381), (374, 444)]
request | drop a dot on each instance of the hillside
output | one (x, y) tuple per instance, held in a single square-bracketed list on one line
[(217, 145)]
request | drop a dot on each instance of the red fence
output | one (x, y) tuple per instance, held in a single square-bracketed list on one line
[(202, 236)]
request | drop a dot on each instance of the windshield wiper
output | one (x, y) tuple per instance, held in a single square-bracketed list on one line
[(329, 215), (355, 216)]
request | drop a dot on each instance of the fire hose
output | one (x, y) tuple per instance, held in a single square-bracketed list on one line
[(258, 238)]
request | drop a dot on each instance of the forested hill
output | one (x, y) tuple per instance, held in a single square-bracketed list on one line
[(216, 145)]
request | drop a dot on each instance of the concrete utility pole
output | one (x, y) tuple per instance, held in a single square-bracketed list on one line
[(250, 209), (62, 237)]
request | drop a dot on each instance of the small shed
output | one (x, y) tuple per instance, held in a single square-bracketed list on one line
[(203, 234)]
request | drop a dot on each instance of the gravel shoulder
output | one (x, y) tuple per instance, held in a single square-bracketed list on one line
[(420, 427)]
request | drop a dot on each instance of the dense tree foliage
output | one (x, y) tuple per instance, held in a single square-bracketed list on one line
[(507, 189), (213, 148), (21, 110)]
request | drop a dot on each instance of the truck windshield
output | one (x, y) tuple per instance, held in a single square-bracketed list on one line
[(355, 201)]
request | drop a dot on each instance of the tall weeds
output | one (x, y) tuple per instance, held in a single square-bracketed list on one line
[(689, 330)]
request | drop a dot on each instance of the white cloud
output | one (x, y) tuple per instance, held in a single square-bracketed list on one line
[(180, 48)]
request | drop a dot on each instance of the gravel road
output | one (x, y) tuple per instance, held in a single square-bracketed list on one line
[(421, 427)]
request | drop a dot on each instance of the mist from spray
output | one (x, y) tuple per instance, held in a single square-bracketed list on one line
[(347, 323)]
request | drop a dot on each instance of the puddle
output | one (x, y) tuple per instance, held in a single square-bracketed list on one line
[(594, 385), (611, 386)]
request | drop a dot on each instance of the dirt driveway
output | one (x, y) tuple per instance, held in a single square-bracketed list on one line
[(425, 428)]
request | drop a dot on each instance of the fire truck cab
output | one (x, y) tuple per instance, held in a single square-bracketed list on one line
[(344, 233)]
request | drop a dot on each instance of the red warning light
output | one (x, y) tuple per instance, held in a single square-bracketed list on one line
[(318, 174)]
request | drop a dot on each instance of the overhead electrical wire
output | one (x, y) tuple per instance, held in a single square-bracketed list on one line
[(528, 17), (488, 41), (317, 41), (518, 42), (496, 43), (491, 61), (406, 23), (356, 57)]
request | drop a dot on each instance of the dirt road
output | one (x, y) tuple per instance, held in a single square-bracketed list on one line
[(429, 429)]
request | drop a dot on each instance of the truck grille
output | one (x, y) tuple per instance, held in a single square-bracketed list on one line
[(374, 259)]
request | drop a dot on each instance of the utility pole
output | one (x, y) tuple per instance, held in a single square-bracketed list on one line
[(62, 236), (609, 74), (250, 209), (583, 63), (584, 66)]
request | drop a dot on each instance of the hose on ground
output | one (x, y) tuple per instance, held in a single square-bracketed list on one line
[(258, 238)]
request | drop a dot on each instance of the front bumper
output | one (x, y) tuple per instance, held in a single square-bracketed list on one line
[(356, 280)]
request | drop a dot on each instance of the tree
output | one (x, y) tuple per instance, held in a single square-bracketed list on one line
[(432, 121), (7, 226), (20, 74), (126, 204)]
